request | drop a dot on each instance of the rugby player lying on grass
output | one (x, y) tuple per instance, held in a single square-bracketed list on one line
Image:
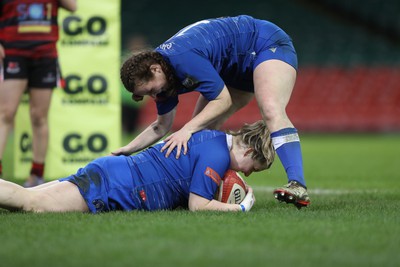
[(149, 180)]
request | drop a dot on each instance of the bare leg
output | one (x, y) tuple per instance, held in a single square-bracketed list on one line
[(41, 186), (57, 197), (274, 81), (12, 196), (39, 109), (10, 94)]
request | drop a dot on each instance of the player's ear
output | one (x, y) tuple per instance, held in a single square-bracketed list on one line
[(248, 151), (155, 68)]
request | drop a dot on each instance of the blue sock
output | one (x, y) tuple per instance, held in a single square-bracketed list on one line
[(287, 145)]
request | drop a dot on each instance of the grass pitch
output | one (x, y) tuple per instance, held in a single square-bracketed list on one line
[(353, 220)]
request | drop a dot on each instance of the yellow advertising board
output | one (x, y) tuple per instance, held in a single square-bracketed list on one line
[(84, 118)]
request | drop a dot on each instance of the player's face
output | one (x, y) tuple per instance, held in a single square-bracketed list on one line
[(251, 167), (154, 86), (247, 165)]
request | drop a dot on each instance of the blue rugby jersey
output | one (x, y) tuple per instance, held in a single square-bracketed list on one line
[(150, 181), (165, 183), (213, 52)]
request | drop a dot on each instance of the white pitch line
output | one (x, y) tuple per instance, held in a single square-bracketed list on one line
[(320, 191)]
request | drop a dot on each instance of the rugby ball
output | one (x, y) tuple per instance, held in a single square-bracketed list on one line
[(232, 189)]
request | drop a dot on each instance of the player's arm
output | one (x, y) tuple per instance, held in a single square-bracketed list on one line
[(150, 135), (197, 203), (69, 5), (211, 112)]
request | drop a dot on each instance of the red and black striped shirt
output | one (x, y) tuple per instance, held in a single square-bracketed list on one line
[(27, 25)]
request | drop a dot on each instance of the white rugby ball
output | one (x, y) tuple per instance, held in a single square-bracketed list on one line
[(232, 189)]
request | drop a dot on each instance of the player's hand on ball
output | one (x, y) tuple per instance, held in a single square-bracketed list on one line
[(248, 201)]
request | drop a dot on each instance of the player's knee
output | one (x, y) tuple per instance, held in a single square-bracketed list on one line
[(38, 119), (7, 116), (273, 112)]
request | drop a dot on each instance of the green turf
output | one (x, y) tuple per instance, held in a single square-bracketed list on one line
[(354, 220)]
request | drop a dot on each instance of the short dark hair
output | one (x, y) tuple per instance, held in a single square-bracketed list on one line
[(136, 69)]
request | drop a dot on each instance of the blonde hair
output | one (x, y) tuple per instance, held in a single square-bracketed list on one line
[(257, 136)]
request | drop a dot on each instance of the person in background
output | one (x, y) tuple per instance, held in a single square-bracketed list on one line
[(229, 61), (29, 62), (150, 181)]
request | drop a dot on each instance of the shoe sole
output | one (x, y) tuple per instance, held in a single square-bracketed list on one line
[(289, 198)]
